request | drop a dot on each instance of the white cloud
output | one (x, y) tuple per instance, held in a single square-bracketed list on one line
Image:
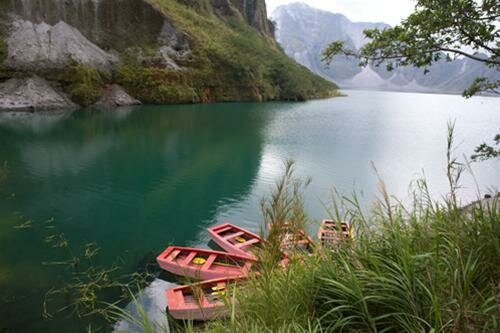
[(388, 11)]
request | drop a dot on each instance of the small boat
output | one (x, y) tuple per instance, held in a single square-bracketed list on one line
[(298, 241), (201, 301), (295, 241), (234, 239), (203, 264), (329, 234)]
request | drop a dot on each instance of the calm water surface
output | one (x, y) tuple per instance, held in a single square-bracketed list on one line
[(134, 180)]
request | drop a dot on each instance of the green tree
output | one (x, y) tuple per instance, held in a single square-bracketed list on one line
[(436, 30)]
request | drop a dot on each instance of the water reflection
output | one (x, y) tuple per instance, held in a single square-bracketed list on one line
[(37, 123)]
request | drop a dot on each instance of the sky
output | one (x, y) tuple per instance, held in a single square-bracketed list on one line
[(388, 11)]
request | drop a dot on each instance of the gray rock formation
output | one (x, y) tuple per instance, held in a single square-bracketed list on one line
[(33, 46), (33, 94), (116, 96)]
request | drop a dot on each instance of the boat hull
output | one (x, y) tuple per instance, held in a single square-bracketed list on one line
[(202, 264), (234, 239), (201, 301)]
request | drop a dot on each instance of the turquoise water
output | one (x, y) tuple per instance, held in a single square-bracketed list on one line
[(134, 180)]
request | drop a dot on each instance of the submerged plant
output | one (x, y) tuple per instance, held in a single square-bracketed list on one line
[(87, 286)]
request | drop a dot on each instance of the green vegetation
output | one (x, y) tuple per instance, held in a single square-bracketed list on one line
[(156, 85), (485, 152), (429, 270), (84, 83)]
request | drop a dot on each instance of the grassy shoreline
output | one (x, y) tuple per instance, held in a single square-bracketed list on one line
[(434, 269)]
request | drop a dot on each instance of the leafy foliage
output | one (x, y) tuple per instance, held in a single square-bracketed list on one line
[(482, 84), (485, 152)]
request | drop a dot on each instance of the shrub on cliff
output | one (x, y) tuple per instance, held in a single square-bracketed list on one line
[(85, 83)]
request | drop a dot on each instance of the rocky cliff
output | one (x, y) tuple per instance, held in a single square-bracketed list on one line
[(161, 51)]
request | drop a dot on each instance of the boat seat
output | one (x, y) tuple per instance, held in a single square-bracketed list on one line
[(236, 234), (174, 254), (249, 242), (209, 262), (221, 230), (190, 258)]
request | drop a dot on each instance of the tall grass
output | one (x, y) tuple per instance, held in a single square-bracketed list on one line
[(282, 212), (432, 270)]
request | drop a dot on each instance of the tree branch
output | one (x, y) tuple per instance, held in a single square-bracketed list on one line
[(471, 56)]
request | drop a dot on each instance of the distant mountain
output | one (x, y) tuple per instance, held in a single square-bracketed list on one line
[(304, 32)]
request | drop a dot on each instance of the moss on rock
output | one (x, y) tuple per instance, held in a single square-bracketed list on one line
[(84, 83)]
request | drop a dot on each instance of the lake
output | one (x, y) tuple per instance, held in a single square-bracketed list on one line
[(134, 180)]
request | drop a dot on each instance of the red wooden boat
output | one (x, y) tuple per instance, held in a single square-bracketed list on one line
[(234, 239), (201, 301), (329, 234), (203, 264)]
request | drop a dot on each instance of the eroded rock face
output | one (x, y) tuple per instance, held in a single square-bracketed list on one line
[(110, 24), (116, 96), (33, 46), (255, 13), (33, 94)]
